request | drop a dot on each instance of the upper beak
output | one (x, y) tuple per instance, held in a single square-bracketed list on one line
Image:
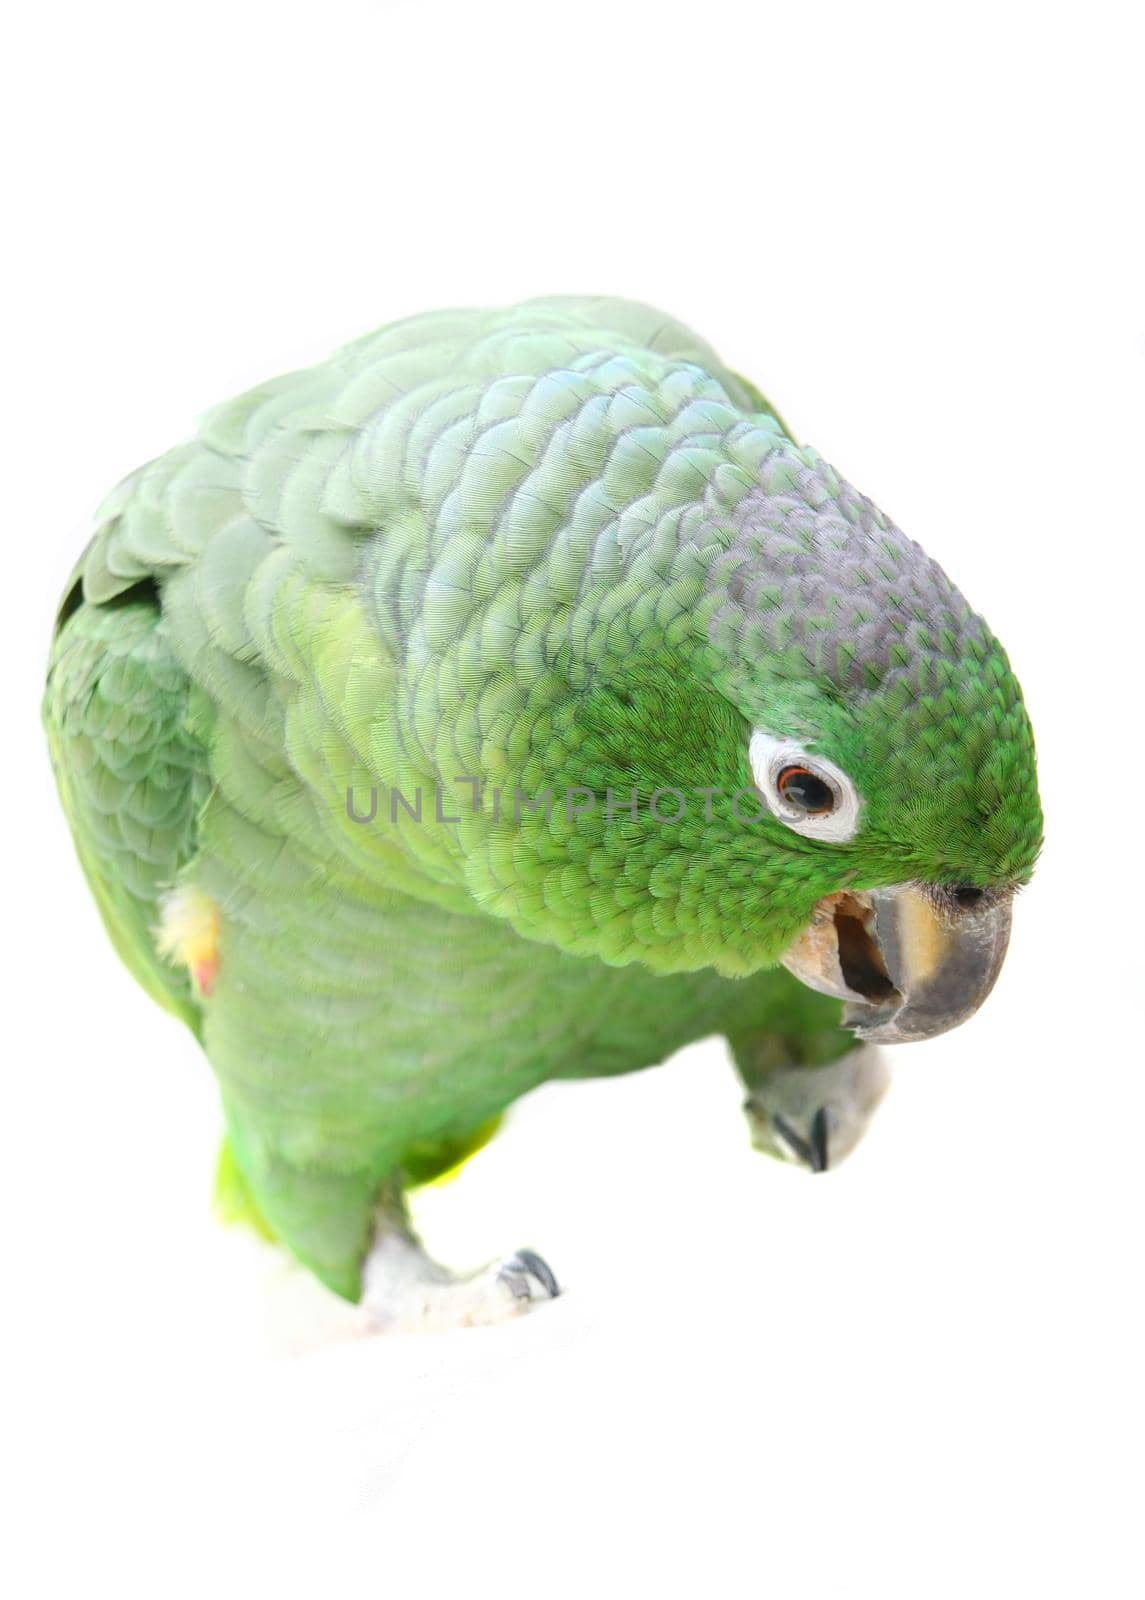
[(911, 961)]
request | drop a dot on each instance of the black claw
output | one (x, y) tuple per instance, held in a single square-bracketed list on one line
[(794, 1140), (820, 1138), (539, 1268), (813, 1151)]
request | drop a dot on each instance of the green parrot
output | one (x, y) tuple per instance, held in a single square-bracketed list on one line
[(509, 698)]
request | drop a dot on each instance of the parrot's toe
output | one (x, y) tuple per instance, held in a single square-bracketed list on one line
[(813, 1148), (528, 1277), (815, 1116), (406, 1292)]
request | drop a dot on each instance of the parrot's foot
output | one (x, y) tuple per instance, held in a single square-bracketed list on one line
[(815, 1116), (405, 1291)]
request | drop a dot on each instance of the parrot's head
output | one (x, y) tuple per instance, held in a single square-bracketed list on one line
[(889, 745), (875, 801)]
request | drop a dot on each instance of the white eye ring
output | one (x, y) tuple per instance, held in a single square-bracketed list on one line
[(770, 755)]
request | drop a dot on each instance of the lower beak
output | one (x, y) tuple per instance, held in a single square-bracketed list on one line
[(911, 962)]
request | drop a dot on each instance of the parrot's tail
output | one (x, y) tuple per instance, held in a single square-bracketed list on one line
[(434, 1161), (233, 1201)]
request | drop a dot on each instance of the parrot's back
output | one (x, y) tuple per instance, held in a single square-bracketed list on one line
[(253, 598)]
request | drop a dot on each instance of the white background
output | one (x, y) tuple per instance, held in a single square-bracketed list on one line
[(917, 230)]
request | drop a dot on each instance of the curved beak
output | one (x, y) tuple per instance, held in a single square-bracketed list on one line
[(911, 962)]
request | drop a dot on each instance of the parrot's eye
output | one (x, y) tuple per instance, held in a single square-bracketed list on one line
[(807, 792)]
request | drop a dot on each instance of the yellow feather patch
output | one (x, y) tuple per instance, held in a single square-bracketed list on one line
[(188, 934)]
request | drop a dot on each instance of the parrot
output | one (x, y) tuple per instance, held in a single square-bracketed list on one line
[(511, 698)]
